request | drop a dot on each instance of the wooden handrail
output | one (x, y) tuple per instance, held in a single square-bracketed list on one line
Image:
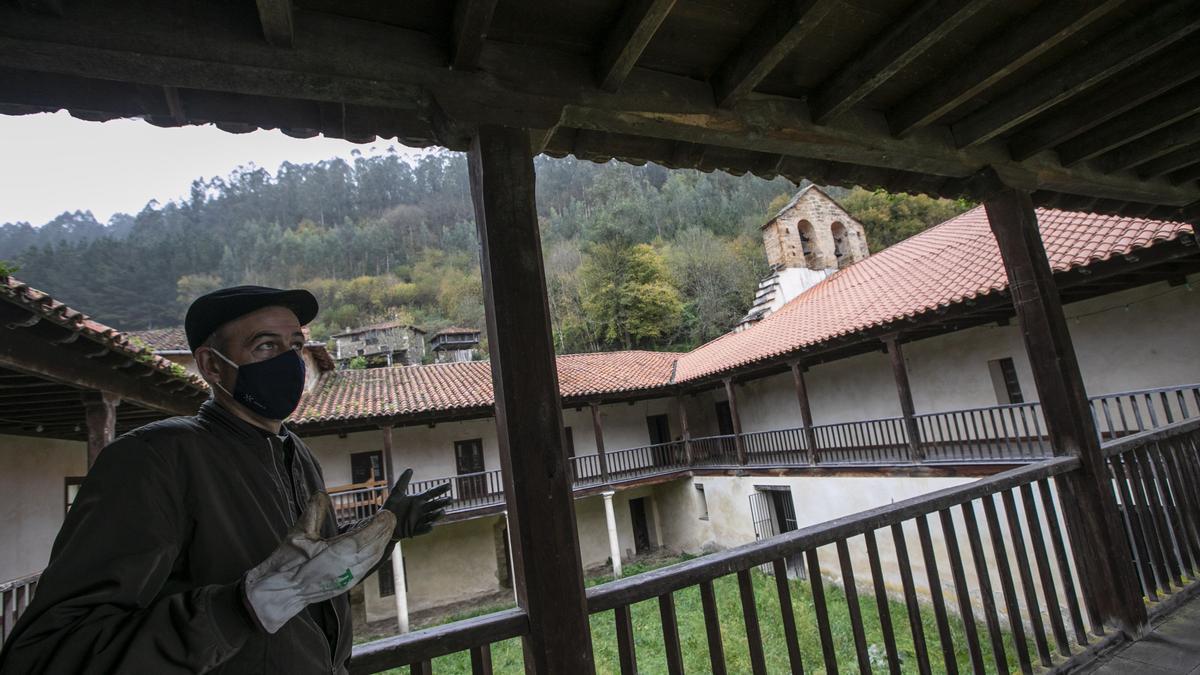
[(430, 643)]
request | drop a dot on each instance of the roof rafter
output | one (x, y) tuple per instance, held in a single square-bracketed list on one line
[(1158, 29), (1158, 113), (916, 33), (1152, 146), (471, 21), (1025, 40), (628, 39), (1172, 161), (276, 19), (776, 35)]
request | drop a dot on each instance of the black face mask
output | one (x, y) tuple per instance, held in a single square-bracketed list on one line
[(270, 388)]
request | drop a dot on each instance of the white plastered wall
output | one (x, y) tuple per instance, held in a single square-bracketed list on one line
[(32, 473)]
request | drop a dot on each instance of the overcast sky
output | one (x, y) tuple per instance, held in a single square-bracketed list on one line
[(50, 163)]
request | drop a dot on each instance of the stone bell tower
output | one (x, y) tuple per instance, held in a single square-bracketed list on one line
[(809, 239)]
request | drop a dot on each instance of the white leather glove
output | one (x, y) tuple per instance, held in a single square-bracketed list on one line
[(306, 569)]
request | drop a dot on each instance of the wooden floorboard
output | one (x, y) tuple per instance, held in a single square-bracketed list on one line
[(1171, 648)]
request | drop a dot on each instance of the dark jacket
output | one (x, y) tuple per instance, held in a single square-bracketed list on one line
[(145, 575)]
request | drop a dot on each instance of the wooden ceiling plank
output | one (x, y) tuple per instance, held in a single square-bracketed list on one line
[(1092, 109), (1026, 39), (786, 24), (1186, 175), (471, 21), (54, 7), (1152, 146), (1158, 29), (1127, 128), (916, 32), (1172, 161), (276, 19), (628, 39)]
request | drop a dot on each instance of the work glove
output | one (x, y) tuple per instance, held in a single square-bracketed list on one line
[(415, 514), (307, 569)]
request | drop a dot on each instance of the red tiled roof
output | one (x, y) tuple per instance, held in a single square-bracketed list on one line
[(402, 390), (946, 264), (52, 310), (163, 339)]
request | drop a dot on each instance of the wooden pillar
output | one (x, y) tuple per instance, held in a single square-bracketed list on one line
[(685, 430), (1089, 508), (547, 570), (100, 410), (810, 436), (731, 394), (389, 472), (598, 430), (900, 373)]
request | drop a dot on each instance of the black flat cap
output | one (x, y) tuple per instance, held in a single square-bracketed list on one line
[(209, 312)]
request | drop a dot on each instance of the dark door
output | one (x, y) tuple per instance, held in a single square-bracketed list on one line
[(724, 419), (366, 466), (660, 429), (641, 530), (785, 509), (468, 459)]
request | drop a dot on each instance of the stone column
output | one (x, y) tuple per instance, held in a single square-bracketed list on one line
[(401, 586), (614, 544)]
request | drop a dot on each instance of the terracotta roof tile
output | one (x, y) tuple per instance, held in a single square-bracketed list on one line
[(944, 265)]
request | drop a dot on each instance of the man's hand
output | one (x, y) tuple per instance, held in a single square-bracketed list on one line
[(306, 569), (415, 514)]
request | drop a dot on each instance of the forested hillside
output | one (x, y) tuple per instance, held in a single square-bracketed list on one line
[(635, 256)]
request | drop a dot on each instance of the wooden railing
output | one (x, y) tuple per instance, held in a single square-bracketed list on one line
[(15, 596), (356, 501), (1136, 411), (878, 441), (782, 447), (646, 460), (1001, 433)]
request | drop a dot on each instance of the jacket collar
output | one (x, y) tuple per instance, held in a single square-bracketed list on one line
[(213, 412)]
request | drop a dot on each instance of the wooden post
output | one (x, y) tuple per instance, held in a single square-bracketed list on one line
[(547, 571), (389, 472), (598, 430), (100, 410), (900, 372), (810, 436), (1089, 508), (685, 430), (731, 394)]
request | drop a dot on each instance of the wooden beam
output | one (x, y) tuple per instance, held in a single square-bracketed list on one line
[(1093, 521), (904, 391), (598, 432), (1156, 30), (388, 469), (1128, 128), (739, 446), (685, 429), (541, 512), (1186, 175), (628, 39), (810, 436), (471, 21), (276, 19), (917, 31), (1024, 40), (54, 7), (1161, 142), (101, 414), (785, 25), (1172, 161)]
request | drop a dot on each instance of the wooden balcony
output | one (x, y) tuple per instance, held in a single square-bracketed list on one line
[(1006, 545)]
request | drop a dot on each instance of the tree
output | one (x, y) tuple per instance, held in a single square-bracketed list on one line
[(627, 292), (717, 278), (891, 218)]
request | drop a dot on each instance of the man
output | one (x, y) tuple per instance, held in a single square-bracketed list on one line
[(205, 544)]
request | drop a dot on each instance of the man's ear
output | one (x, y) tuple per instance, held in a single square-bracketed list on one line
[(208, 364)]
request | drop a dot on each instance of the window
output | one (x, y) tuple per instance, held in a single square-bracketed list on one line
[(387, 579), (569, 437), (71, 490), (659, 428), (724, 418), (703, 501), (1005, 382), (366, 466)]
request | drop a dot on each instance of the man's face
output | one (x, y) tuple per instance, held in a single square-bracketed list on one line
[(260, 335)]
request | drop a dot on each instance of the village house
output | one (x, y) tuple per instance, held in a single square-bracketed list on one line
[(381, 344), (917, 382), (454, 345)]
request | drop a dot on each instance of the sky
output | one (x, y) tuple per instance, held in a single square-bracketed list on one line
[(54, 162)]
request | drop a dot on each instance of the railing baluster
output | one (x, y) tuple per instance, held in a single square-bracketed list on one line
[(481, 660), (1157, 536), (421, 668), (712, 627), (1004, 572), (822, 611), (983, 577), (1181, 508), (789, 616), (910, 600), (670, 632), (962, 592), (1027, 587), (1133, 513), (1049, 591), (935, 595), (758, 661), (1060, 557), (625, 649), (851, 593), (881, 604), (1176, 545)]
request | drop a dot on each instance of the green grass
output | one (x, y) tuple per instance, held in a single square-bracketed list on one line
[(507, 656)]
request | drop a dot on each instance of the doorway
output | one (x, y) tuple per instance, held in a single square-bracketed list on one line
[(641, 527), (366, 467), (772, 513), (468, 459)]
